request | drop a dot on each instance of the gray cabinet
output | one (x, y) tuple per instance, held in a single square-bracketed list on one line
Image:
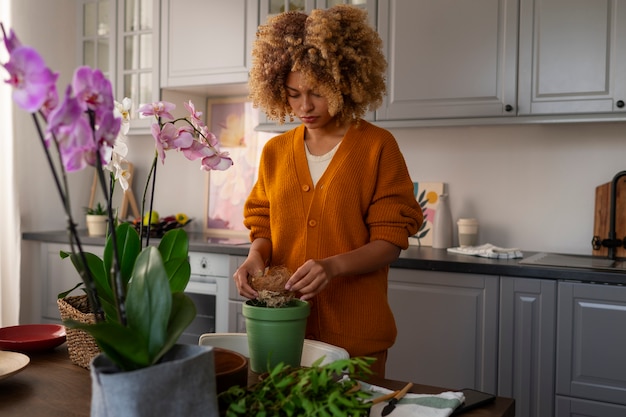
[(120, 37), (591, 344), (572, 57), (527, 344), (447, 328), (449, 59), (206, 43)]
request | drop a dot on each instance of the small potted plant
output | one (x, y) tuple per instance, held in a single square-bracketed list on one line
[(96, 219), (275, 321)]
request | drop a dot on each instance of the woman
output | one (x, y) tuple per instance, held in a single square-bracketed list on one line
[(334, 201)]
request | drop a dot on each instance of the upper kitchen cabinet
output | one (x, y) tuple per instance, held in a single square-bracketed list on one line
[(449, 59), (118, 37), (273, 7), (207, 43), (572, 57)]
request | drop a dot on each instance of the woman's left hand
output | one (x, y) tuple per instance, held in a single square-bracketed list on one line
[(309, 279)]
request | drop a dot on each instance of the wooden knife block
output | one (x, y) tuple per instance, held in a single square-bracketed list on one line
[(602, 216)]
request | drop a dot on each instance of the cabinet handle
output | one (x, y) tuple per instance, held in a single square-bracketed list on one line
[(509, 108), (620, 104)]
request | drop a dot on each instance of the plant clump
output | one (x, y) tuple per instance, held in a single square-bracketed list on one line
[(315, 391), (271, 286)]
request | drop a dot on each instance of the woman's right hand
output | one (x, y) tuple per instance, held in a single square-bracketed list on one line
[(247, 269), (254, 265)]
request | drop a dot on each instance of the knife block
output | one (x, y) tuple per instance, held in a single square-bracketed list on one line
[(602, 216)]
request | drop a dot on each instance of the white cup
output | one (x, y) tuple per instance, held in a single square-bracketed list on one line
[(468, 232)]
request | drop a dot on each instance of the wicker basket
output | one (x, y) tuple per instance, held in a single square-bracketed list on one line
[(81, 345)]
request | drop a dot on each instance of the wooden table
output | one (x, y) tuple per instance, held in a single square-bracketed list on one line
[(53, 386)]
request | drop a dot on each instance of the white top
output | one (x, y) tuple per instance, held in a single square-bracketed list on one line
[(319, 163)]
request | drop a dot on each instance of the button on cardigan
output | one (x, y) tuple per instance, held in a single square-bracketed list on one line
[(365, 194)]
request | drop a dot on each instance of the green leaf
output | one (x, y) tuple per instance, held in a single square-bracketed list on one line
[(96, 268), (182, 314), (149, 300), (121, 344), (178, 270), (175, 244), (128, 246)]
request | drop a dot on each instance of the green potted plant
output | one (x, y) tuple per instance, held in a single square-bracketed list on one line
[(139, 309), (275, 322), (96, 220)]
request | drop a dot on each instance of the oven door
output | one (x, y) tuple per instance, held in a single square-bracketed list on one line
[(211, 307)]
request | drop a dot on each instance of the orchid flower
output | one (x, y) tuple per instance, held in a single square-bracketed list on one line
[(158, 109), (10, 42), (170, 137), (30, 78), (194, 115), (122, 110)]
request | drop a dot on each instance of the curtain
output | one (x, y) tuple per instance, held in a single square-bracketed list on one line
[(9, 211)]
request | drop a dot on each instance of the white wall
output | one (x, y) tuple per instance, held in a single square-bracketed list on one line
[(50, 27)]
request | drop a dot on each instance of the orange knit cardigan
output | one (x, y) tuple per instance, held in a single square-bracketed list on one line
[(365, 194)]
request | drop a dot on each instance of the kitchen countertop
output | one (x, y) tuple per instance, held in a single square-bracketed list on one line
[(418, 258)]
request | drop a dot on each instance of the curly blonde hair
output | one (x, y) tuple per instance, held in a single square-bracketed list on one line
[(336, 51)]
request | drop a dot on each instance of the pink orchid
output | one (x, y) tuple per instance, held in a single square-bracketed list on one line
[(64, 115), (220, 162), (195, 115), (170, 137), (30, 78), (93, 90), (76, 145), (11, 42), (198, 150), (158, 109)]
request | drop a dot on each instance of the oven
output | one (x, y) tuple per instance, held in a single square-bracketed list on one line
[(208, 287)]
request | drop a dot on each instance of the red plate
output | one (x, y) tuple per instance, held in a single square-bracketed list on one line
[(31, 337)]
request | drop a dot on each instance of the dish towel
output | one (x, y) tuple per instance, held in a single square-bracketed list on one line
[(416, 405), (488, 251)]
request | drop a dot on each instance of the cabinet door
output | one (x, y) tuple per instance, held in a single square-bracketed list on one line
[(449, 58), (447, 328), (574, 407), (591, 342), (207, 42), (527, 345), (572, 56)]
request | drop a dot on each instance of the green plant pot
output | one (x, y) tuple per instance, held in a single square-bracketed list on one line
[(275, 334)]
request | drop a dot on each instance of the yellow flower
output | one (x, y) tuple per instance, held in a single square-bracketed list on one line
[(182, 218)]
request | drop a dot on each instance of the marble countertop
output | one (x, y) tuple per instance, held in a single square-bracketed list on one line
[(418, 258)]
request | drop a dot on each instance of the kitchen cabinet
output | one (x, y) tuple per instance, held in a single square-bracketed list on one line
[(271, 8), (447, 328), (120, 38), (449, 59), (59, 276), (206, 43), (527, 342), (236, 322), (503, 61), (591, 341), (572, 57)]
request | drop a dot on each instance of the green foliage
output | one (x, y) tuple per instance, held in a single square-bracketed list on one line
[(314, 391), (157, 310), (99, 209)]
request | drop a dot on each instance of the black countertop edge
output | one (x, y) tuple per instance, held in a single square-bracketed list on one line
[(198, 242), (427, 258), (417, 258)]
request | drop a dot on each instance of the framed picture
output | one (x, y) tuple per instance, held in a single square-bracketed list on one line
[(233, 121), (427, 195)]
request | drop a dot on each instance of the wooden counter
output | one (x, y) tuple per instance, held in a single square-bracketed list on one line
[(53, 386)]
